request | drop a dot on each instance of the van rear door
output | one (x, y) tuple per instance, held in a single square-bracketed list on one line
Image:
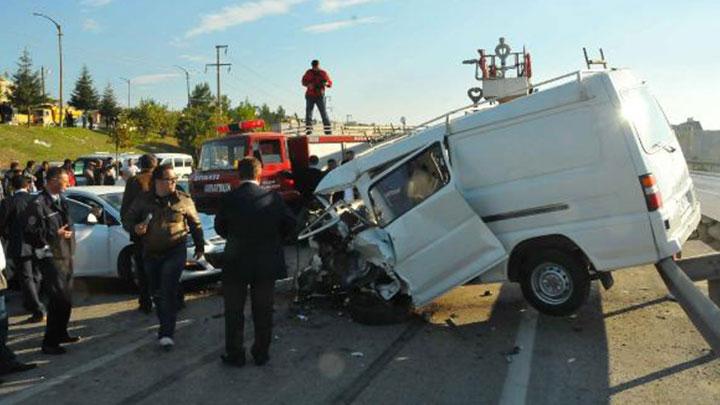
[(663, 158), (438, 240)]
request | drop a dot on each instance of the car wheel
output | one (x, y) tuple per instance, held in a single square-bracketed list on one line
[(555, 282), (370, 310), (126, 268)]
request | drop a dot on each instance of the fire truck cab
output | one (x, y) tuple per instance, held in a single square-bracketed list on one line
[(216, 172)]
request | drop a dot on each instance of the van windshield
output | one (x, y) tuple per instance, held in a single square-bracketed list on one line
[(221, 155), (648, 118)]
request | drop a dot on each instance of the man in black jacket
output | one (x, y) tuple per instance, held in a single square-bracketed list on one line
[(12, 210), (136, 186), (254, 221), (50, 232)]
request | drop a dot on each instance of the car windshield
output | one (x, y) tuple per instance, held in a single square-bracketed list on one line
[(221, 155), (114, 199)]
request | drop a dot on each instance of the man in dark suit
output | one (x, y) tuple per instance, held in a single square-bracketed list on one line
[(49, 230), (308, 178), (12, 210), (254, 221)]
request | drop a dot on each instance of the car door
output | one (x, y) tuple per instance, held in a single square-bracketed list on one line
[(439, 241), (91, 242)]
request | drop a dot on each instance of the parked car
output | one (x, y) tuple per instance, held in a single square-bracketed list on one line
[(104, 247), (551, 190)]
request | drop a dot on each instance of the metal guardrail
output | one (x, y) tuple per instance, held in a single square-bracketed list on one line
[(703, 311)]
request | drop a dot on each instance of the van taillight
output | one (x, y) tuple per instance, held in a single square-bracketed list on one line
[(653, 198)]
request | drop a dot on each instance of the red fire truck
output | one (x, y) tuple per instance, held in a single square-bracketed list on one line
[(279, 153)]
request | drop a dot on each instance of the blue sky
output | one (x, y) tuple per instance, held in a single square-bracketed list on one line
[(388, 58)]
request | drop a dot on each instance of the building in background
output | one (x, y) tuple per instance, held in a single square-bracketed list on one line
[(701, 147)]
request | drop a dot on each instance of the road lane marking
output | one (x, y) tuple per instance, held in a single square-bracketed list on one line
[(349, 394), (25, 394), (518, 375)]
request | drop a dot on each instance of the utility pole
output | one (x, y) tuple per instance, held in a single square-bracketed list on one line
[(128, 83), (218, 65), (42, 81), (59, 33), (187, 81)]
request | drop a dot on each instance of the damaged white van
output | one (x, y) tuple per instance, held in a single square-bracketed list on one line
[(551, 190)]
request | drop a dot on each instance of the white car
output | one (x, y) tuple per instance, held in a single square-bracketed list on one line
[(103, 247)]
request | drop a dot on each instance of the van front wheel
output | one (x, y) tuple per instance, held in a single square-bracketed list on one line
[(555, 282)]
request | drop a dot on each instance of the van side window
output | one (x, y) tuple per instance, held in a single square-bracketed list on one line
[(178, 162), (409, 184), (188, 162), (269, 151)]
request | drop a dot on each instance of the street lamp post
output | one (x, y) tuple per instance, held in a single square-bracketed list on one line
[(59, 33), (187, 81), (128, 83)]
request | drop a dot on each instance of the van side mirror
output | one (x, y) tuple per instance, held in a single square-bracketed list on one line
[(91, 219)]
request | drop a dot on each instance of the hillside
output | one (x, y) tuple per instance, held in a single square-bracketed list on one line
[(55, 144)]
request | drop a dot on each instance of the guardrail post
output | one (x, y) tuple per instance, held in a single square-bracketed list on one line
[(703, 312)]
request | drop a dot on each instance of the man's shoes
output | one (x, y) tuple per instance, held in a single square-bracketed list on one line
[(145, 308), (70, 339), (166, 343), (53, 350), (35, 318), (16, 367), (234, 361), (260, 359)]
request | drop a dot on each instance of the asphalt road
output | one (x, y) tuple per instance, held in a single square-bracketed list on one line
[(477, 344)]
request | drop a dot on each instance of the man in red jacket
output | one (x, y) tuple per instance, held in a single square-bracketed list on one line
[(316, 80)]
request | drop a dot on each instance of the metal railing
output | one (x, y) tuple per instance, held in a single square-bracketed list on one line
[(703, 311)]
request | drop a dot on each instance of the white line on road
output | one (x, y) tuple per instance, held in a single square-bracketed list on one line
[(24, 395), (518, 375)]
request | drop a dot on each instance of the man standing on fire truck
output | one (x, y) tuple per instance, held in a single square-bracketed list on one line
[(316, 80)]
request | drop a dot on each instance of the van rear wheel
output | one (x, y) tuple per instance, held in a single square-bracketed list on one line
[(555, 282)]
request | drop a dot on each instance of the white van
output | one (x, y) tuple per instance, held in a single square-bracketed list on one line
[(182, 163), (551, 190)]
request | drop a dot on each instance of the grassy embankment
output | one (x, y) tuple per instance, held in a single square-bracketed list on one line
[(55, 144)]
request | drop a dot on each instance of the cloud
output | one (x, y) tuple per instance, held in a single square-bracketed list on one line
[(329, 6), (231, 16), (95, 3), (90, 25), (338, 25), (195, 58), (154, 78)]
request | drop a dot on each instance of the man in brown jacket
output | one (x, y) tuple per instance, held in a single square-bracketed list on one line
[(163, 218), (136, 186)]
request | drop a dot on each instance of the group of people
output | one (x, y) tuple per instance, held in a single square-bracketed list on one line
[(40, 242), (36, 176), (101, 172)]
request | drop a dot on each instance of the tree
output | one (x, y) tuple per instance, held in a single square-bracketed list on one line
[(197, 124), (109, 108), (124, 134), (84, 97), (151, 118), (26, 90), (201, 95)]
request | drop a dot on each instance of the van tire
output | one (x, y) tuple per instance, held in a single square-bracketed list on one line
[(555, 282), (367, 309)]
